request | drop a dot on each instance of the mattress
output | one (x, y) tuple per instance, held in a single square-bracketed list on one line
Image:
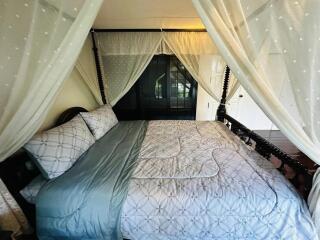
[(197, 180)]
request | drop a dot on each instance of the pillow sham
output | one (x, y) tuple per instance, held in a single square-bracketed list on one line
[(30, 192), (57, 149), (100, 121)]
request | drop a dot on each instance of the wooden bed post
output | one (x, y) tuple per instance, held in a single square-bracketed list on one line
[(221, 111), (98, 67)]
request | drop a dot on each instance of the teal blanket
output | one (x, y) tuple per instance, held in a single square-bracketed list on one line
[(86, 201)]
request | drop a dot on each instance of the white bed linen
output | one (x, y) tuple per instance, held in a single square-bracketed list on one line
[(197, 180)]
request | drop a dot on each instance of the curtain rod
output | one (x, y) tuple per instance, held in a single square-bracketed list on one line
[(148, 30)]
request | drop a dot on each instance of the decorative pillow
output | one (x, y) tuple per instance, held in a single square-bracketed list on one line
[(57, 149), (100, 121), (30, 192)]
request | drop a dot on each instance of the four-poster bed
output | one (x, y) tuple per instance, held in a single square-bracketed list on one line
[(100, 178), (151, 180), (302, 178)]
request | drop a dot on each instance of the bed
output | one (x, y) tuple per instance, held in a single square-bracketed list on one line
[(172, 180)]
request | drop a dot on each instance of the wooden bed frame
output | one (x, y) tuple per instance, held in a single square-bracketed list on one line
[(302, 177)]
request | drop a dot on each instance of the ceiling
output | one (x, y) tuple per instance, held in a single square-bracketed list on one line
[(152, 14)]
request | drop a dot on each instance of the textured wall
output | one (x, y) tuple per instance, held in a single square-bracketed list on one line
[(74, 93)]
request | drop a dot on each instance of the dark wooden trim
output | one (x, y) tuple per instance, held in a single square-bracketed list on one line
[(149, 30), (303, 176), (222, 111), (265, 148), (98, 68), (68, 114)]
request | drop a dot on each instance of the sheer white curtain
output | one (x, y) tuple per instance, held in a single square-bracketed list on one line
[(11, 216), (194, 49), (217, 78), (39, 44), (125, 55), (86, 66), (273, 49)]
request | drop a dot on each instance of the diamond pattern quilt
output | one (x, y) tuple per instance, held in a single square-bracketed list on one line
[(197, 180)]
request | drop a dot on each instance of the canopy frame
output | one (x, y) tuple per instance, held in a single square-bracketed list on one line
[(98, 67)]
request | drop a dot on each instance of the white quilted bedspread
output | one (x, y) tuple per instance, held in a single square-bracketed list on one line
[(196, 180)]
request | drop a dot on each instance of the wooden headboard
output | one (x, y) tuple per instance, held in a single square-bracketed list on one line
[(68, 114), (18, 170)]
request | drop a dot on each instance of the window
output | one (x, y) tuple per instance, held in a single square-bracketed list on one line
[(165, 90), (159, 88)]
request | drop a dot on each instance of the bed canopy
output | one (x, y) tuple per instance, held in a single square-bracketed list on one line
[(40, 42), (125, 55), (271, 46)]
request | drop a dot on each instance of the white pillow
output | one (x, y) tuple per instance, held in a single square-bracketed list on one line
[(57, 149), (30, 192), (100, 121)]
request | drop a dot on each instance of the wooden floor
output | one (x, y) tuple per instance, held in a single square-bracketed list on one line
[(282, 142)]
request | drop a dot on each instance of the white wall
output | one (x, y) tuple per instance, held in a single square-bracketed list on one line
[(211, 68), (206, 106), (246, 111), (205, 103), (243, 108), (74, 93)]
